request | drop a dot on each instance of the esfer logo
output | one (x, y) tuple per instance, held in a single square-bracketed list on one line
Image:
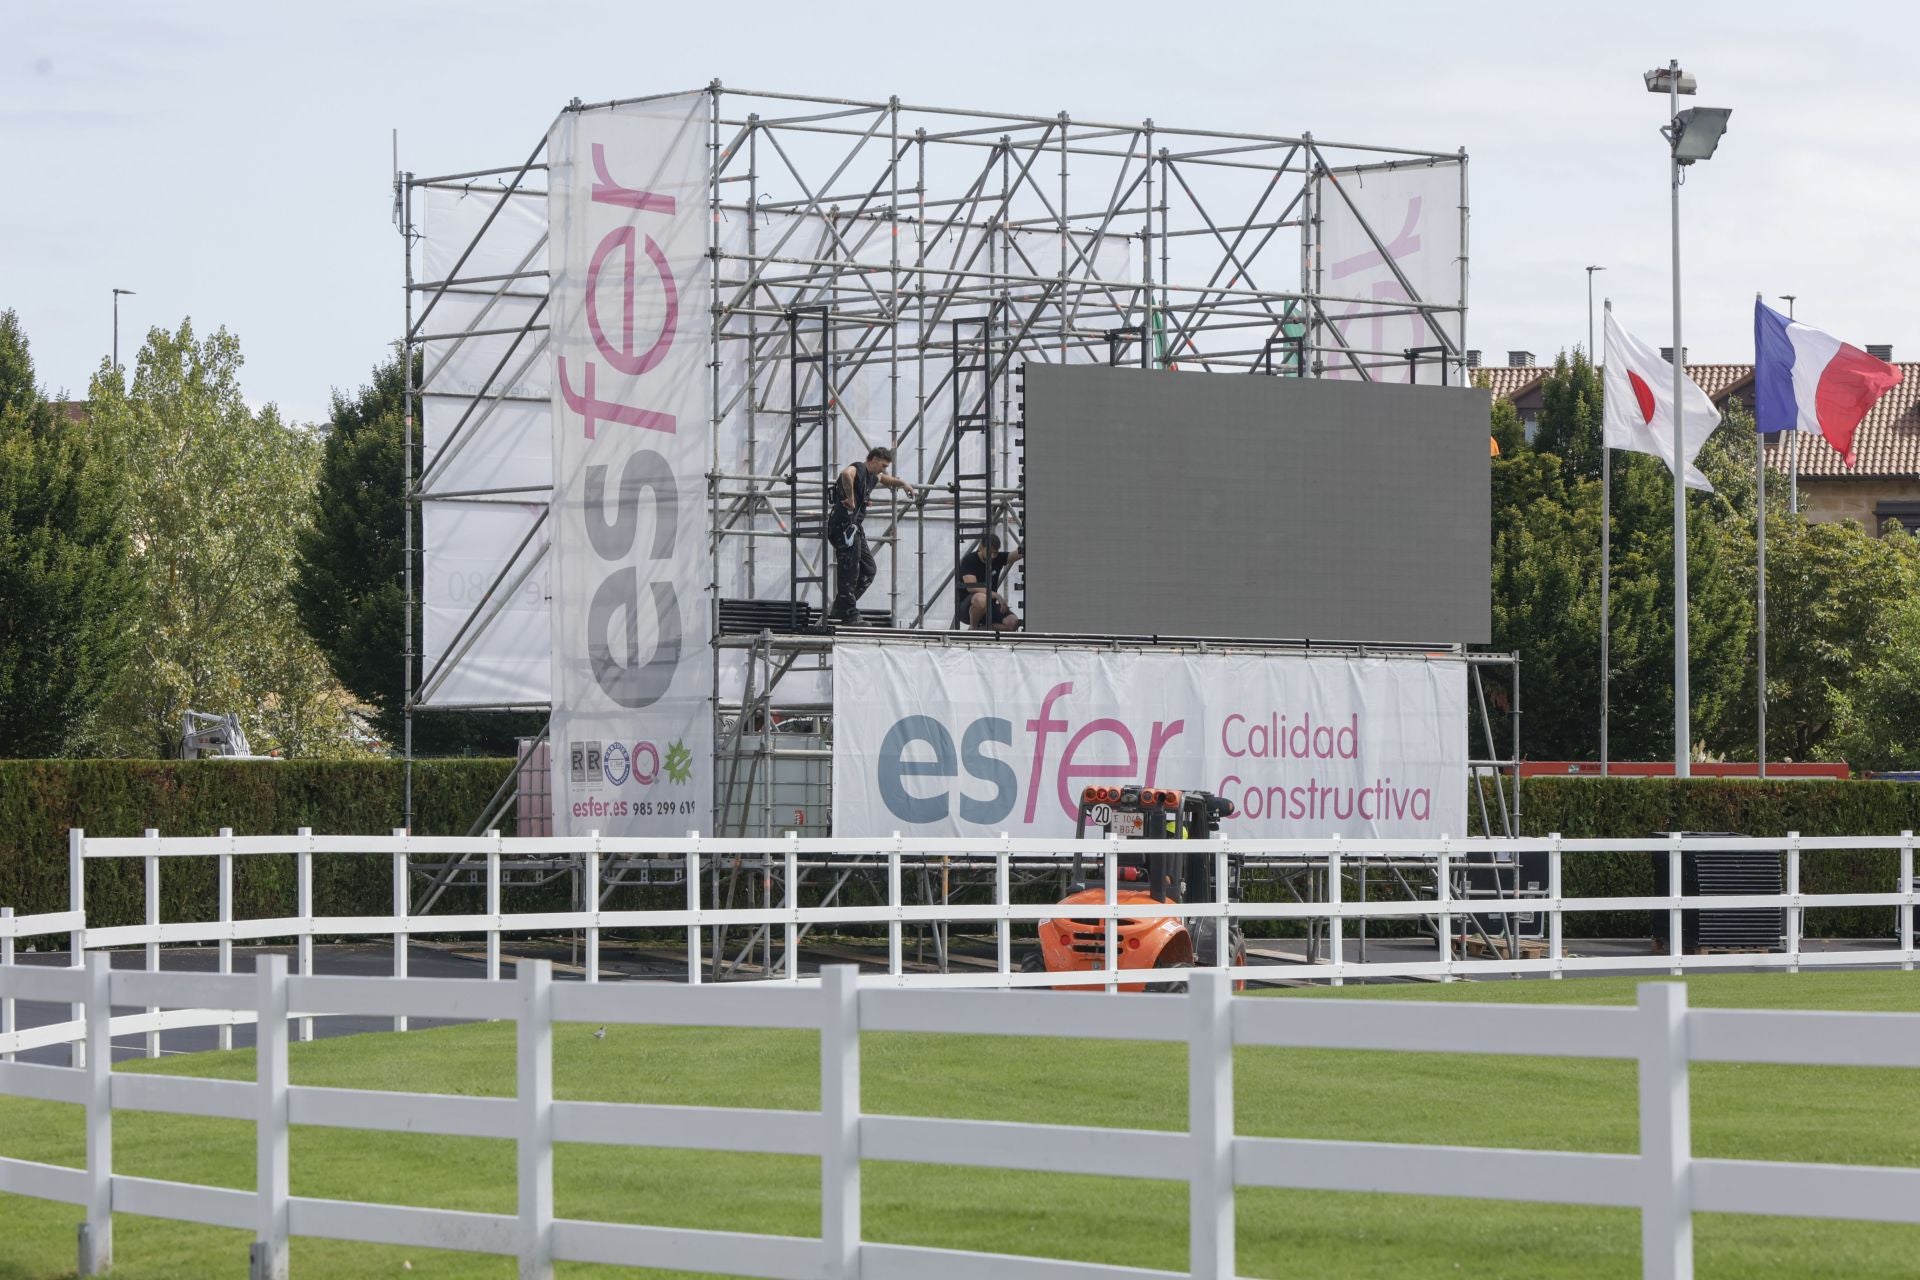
[(920, 762), (626, 267)]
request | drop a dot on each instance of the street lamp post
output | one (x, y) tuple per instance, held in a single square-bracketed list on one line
[(116, 326), (1691, 135)]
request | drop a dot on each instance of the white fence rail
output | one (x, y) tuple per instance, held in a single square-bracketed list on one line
[(784, 859), (1662, 1035)]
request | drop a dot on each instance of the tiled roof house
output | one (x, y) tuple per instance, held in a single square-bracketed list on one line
[(1883, 483)]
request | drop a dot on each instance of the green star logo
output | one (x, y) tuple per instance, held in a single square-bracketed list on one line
[(679, 762)]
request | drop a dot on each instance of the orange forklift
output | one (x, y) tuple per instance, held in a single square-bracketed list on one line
[(1150, 870)]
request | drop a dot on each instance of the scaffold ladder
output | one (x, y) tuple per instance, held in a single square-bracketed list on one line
[(810, 459)]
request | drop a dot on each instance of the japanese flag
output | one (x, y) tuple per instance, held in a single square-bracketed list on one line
[(1639, 410)]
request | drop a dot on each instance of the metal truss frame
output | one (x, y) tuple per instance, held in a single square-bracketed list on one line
[(914, 230)]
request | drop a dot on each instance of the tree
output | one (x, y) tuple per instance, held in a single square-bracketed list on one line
[(348, 576), (1879, 718), (1835, 601), (1570, 414), (1546, 585), (216, 494), (1546, 544), (1719, 615), (65, 581), (1509, 433)]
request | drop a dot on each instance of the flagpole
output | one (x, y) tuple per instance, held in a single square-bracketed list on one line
[(1682, 737), (1793, 438), (1760, 570), (1606, 556)]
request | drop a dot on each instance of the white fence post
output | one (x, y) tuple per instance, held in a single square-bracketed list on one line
[(840, 1116), (1666, 1134), (303, 861), (791, 959), (268, 1257), (493, 907), (6, 1002), (1336, 935), (1905, 910), (225, 874), (77, 939), (151, 867), (693, 907), (402, 911), (534, 1043), (1223, 912), (96, 1233), (893, 907), (1210, 1191), (1443, 889), (1556, 949), (1676, 886), (1795, 919), (591, 891), (1003, 898), (1110, 864)]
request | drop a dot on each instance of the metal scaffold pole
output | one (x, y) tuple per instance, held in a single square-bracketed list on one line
[(889, 225)]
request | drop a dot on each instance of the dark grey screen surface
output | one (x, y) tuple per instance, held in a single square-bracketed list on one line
[(1275, 508)]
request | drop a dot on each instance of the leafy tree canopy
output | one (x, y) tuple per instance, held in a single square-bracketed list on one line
[(217, 494), (66, 585)]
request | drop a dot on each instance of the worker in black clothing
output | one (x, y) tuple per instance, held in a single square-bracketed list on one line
[(980, 607), (846, 515)]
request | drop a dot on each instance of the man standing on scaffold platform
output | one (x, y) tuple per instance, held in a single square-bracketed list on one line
[(846, 532)]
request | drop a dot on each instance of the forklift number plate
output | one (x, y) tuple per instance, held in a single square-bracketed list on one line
[(1130, 826)]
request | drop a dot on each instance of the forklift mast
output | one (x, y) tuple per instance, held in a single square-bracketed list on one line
[(1150, 814)]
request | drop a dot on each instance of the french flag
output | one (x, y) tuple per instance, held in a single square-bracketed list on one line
[(1806, 380)]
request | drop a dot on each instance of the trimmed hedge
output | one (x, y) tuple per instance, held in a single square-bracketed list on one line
[(40, 799), (1637, 807)]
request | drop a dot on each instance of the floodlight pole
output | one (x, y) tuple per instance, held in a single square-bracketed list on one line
[(1682, 719)]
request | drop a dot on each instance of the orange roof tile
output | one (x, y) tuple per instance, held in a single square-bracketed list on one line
[(1886, 444), (1508, 381), (1722, 380)]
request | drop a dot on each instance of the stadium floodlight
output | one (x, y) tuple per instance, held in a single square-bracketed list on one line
[(1696, 133), (1661, 80), (1691, 135)]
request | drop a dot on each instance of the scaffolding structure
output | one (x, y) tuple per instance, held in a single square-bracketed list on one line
[(880, 273)]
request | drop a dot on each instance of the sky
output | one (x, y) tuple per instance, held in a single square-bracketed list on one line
[(232, 162)]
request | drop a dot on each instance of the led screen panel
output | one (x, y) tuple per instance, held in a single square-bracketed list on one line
[(1191, 504)]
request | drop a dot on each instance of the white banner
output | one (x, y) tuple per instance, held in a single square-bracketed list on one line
[(1413, 212), (482, 644), (970, 741), (632, 439)]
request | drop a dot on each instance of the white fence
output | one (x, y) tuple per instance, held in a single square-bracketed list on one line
[(1664, 1181), (785, 858)]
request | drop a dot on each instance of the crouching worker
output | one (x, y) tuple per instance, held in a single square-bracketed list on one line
[(980, 606)]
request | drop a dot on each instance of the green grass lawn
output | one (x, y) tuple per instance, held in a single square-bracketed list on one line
[(1749, 1112)]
